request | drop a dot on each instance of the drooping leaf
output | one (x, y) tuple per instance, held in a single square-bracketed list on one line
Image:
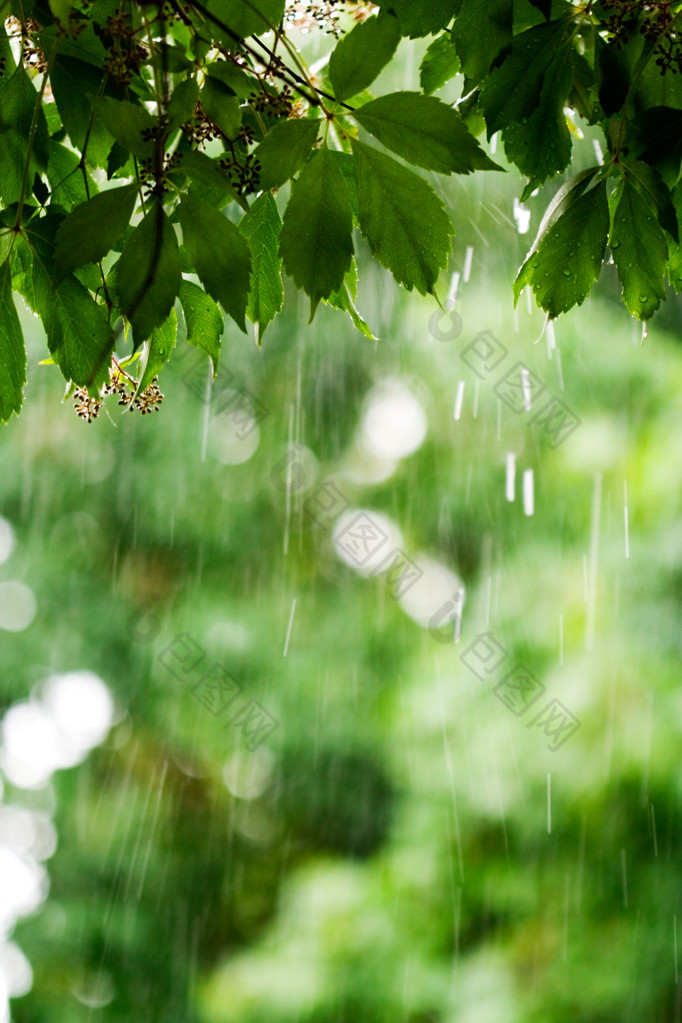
[(222, 106), (316, 242), (482, 29), (402, 218), (359, 57), (200, 167), (639, 249), (79, 336), (61, 10), (424, 131), (544, 6), (284, 150), (656, 139), (12, 352), (66, 178), (93, 228), (18, 100), (204, 321), (182, 103), (418, 18), (343, 298), (129, 123), (71, 81), (157, 350), (675, 247), (513, 90), (566, 259), (653, 187), (219, 254), (148, 274), (261, 227), (540, 145), (439, 64)]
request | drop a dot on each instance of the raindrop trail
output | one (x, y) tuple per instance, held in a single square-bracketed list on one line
[(624, 872), (475, 409), (625, 518), (468, 257), (558, 369), (452, 292), (510, 477), (594, 555), (458, 400), (291, 622), (525, 388), (561, 639), (287, 514), (207, 408), (675, 944), (528, 499), (480, 233), (549, 804)]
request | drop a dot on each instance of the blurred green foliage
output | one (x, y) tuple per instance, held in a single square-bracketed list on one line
[(385, 855)]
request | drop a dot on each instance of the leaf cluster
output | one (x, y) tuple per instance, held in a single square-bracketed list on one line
[(155, 153)]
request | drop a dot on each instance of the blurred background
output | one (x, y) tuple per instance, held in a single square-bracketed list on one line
[(343, 691)]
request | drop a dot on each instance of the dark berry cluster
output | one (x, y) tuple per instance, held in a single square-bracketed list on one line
[(277, 104), (201, 128), (652, 20), (244, 176), (126, 55), (156, 182)]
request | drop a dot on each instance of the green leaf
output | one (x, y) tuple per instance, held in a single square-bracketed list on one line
[(402, 218), (79, 337), (148, 274), (222, 106), (66, 178), (18, 101), (71, 81), (566, 259), (219, 254), (418, 18), (639, 249), (316, 240), (482, 29), (343, 297), (652, 186), (202, 168), (12, 353), (439, 64), (182, 103), (656, 139), (540, 145), (61, 10), (157, 350), (424, 131), (93, 228), (225, 71), (126, 122), (261, 227), (204, 321), (675, 248), (544, 6), (243, 19), (359, 56), (284, 150), (345, 163), (513, 90)]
